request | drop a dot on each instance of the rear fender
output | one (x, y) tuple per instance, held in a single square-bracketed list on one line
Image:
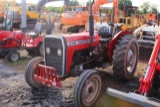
[(33, 42), (113, 42)]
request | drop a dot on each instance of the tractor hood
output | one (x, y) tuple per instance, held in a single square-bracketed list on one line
[(151, 29), (10, 34)]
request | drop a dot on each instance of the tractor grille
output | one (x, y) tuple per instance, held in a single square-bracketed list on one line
[(52, 59)]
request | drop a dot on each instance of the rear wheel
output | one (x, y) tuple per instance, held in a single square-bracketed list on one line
[(1, 19), (81, 29), (3, 55), (13, 56), (31, 51), (30, 72), (87, 88), (125, 58)]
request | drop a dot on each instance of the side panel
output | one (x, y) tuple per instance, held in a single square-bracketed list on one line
[(113, 42), (77, 43)]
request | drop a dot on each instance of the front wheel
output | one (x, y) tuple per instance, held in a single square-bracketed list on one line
[(13, 56), (125, 58), (40, 49), (30, 72), (87, 88)]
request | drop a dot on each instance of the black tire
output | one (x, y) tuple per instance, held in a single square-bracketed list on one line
[(40, 49), (3, 55), (30, 71), (1, 19), (85, 78), (13, 56), (31, 51), (126, 50), (81, 29)]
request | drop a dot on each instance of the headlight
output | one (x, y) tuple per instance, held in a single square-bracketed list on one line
[(59, 52), (48, 51)]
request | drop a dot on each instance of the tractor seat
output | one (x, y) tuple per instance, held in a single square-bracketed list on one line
[(146, 43), (37, 30), (33, 34)]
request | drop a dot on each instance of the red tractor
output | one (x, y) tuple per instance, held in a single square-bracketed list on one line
[(11, 41), (72, 54)]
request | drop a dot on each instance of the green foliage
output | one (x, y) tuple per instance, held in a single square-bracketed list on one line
[(154, 8), (122, 3), (74, 3), (55, 9), (147, 7), (89, 2)]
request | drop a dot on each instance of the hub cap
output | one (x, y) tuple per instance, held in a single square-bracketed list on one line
[(131, 59), (90, 90), (14, 57)]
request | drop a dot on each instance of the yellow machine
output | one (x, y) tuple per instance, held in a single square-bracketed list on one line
[(32, 15), (132, 21), (4, 4)]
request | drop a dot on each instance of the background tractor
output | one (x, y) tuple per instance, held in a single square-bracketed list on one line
[(73, 54), (13, 40)]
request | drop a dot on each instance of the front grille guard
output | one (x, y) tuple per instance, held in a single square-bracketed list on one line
[(47, 76)]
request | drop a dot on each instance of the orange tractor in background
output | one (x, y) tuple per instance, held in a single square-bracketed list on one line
[(74, 18)]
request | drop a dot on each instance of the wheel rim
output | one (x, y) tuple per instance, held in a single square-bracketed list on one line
[(14, 57), (131, 59), (90, 91)]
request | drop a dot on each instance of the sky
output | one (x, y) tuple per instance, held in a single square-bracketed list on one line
[(135, 2)]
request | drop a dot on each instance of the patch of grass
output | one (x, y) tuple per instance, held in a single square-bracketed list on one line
[(20, 64)]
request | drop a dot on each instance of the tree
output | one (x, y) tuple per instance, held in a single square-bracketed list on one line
[(55, 9), (74, 3), (122, 3), (89, 2), (154, 8), (145, 7)]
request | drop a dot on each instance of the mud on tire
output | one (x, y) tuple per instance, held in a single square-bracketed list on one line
[(125, 58), (87, 88), (30, 71)]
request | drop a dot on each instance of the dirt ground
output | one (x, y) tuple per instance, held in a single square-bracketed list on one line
[(14, 92)]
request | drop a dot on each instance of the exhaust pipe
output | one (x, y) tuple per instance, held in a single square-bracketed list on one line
[(24, 16), (91, 24)]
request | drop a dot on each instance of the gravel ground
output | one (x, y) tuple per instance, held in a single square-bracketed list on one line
[(14, 92)]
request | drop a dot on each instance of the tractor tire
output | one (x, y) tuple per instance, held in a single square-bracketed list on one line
[(81, 29), (13, 56), (125, 58), (87, 88), (30, 72), (40, 49), (2, 55), (31, 51), (1, 19)]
